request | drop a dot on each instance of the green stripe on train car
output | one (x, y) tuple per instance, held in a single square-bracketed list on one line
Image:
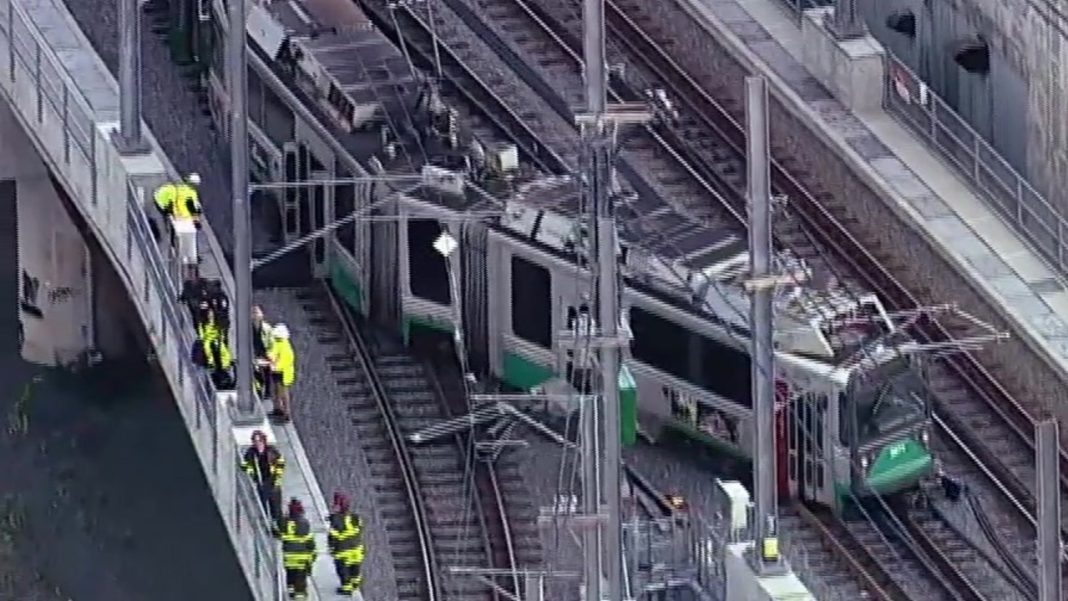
[(899, 466), (525, 374), (346, 286), (410, 323), (628, 407)]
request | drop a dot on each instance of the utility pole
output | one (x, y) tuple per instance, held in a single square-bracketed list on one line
[(129, 137), (599, 124), (766, 558), (238, 87), (1049, 510)]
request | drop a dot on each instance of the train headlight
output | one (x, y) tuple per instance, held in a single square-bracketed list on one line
[(864, 462), (925, 437)]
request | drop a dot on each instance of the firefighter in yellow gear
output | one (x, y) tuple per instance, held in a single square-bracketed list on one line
[(298, 550), (265, 465), (180, 200), (346, 545), (216, 353)]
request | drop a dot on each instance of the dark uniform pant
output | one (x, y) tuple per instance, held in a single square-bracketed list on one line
[(271, 497), (297, 581), (348, 572)]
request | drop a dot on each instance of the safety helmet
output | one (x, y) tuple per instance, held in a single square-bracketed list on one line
[(258, 435), (280, 331), (340, 502), (193, 178), (296, 508)]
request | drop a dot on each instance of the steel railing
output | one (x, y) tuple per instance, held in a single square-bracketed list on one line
[(31, 67), (1042, 225)]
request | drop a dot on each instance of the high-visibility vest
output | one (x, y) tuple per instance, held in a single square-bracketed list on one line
[(298, 544), (180, 200), (283, 360), (216, 350), (344, 538)]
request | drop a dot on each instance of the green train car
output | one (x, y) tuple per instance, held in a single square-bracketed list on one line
[(853, 413)]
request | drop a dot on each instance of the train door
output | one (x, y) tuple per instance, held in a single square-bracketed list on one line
[(808, 473)]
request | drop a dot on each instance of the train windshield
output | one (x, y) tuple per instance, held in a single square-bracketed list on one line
[(898, 402)]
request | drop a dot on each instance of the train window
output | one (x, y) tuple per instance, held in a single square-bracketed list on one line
[(427, 275), (725, 371), (345, 204), (659, 342), (716, 367), (278, 121), (531, 302)]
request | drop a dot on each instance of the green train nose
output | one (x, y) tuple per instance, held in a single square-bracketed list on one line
[(899, 466)]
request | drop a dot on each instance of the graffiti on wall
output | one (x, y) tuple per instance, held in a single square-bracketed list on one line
[(31, 286), (31, 292)]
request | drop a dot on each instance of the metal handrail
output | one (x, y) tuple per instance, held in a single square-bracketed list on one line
[(1000, 186), (56, 91)]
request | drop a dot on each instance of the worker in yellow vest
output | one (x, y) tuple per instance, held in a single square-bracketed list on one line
[(180, 200), (283, 370)]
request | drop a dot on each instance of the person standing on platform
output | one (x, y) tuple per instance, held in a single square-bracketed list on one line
[(214, 353), (180, 200), (265, 465), (346, 544), (283, 371), (298, 550), (261, 343)]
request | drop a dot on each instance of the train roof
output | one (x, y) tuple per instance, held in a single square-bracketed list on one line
[(668, 253)]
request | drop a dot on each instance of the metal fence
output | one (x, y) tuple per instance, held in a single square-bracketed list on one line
[(998, 184), (33, 68)]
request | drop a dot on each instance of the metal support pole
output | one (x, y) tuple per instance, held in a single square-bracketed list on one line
[(238, 87), (129, 138), (591, 499), (847, 23), (766, 556), (532, 588), (1049, 511)]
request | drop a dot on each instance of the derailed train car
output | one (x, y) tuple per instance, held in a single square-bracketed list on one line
[(853, 411)]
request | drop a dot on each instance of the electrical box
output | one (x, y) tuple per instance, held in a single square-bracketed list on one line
[(732, 500), (504, 158)]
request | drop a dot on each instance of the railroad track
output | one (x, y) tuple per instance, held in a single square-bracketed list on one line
[(505, 506), (398, 489), (707, 144), (698, 163), (420, 491), (669, 169), (478, 91), (974, 408)]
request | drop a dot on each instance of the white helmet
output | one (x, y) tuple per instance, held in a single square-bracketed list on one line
[(193, 178), (280, 331)]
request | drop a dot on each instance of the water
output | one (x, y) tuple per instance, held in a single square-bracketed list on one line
[(102, 497), (995, 103)]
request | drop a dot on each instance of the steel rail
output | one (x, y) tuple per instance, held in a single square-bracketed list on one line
[(488, 498), (706, 179), (866, 569), (712, 183), (834, 235), (501, 115), (397, 441)]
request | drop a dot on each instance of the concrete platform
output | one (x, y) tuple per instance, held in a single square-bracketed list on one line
[(764, 36), (70, 120)]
